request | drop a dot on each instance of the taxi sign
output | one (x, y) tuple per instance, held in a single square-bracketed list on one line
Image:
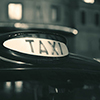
[(37, 46)]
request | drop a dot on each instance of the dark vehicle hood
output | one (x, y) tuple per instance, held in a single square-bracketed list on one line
[(19, 65), (70, 67)]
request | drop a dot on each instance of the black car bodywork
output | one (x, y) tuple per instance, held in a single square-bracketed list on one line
[(55, 78)]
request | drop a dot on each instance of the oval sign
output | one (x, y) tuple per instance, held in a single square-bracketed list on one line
[(37, 46)]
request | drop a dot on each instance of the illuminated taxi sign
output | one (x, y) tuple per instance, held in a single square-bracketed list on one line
[(37, 46)]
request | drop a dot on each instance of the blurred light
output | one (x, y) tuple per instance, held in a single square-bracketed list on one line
[(68, 81), (63, 28), (14, 61), (46, 26), (97, 59), (75, 31), (89, 1), (15, 11), (86, 87), (56, 90), (20, 68), (21, 25), (18, 86), (8, 85)]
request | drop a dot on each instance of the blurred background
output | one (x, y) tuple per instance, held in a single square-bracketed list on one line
[(79, 20), (78, 17)]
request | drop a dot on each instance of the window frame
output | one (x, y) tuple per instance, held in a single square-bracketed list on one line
[(83, 17), (58, 16), (97, 16)]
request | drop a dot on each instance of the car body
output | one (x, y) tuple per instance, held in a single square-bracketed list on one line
[(59, 76)]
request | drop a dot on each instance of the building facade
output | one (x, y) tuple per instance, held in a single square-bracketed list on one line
[(36, 11), (87, 21)]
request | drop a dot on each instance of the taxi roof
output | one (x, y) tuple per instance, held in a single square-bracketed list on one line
[(22, 67)]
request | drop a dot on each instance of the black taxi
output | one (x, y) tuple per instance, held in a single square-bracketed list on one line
[(37, 65)]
